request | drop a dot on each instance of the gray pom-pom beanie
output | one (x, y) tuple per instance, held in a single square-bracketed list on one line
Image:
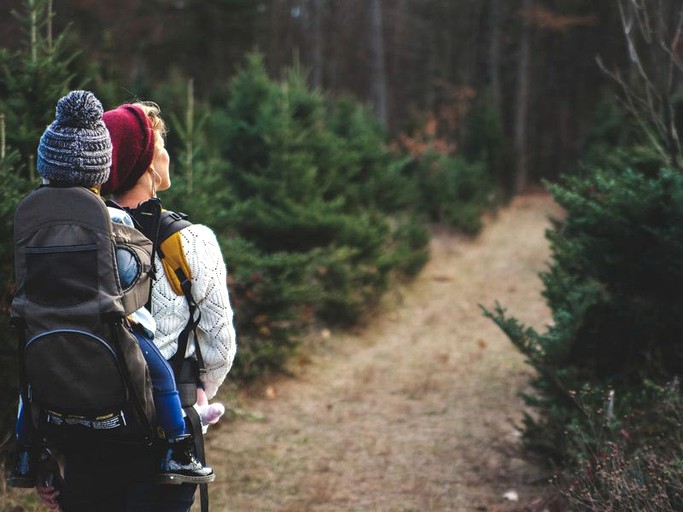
[(76, 148)]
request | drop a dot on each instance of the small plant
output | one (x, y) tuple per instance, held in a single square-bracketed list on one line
[(638, 464)]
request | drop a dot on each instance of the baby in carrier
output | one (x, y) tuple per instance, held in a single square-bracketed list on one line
[(75, 150)]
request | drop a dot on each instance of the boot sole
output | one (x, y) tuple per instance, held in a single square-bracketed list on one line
[(21, 482), (177, 479)]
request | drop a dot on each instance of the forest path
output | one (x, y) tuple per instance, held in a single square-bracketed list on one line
[(413, 412)]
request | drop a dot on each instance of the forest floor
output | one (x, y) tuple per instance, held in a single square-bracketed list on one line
[(415, 411)]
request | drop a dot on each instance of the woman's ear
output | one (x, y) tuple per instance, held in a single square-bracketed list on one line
[(156, 178), (153, 175)]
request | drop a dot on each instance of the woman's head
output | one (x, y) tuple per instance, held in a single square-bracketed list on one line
[(139, 156), (157, 124)]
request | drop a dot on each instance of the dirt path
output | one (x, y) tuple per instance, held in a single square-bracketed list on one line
[(412, 413)]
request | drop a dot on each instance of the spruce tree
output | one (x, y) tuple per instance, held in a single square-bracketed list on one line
[(34, 78), (613, 285), (313, 212)]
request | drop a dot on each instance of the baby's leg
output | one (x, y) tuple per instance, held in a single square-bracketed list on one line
[(166, 398)]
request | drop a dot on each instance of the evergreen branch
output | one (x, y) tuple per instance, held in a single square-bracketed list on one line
[(520, 337)]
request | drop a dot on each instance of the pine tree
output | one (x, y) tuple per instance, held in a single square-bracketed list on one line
[(314, 229), (34, 78)]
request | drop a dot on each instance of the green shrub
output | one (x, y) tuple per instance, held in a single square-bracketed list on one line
[(311, 207), (33, 79), (615, 141), (485, 142), (372, 175), (452, 190), (410, 241), (270, 294), (612, 285)]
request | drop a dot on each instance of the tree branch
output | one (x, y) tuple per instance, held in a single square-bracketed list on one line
[(651, 103)]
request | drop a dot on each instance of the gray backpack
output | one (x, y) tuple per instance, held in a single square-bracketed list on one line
[(82, 375)]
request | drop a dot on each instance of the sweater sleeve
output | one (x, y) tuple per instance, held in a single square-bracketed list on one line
[(216, 333)]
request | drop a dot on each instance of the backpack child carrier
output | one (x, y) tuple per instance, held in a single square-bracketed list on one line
[(82, 375)]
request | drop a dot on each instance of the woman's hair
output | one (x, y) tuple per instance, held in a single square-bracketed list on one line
[(153, 112)]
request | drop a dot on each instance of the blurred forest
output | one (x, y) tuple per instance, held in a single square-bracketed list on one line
[(322, 139), (527, 65)]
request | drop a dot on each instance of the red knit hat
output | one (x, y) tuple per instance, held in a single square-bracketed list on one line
[(132, 139)]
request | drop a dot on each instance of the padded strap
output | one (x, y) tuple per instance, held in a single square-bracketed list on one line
[(147, 218), (196, 426), (20, 325), (173, 259), (178, 273), (190, 326)]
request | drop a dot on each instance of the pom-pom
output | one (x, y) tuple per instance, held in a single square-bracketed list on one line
[(79, 109)]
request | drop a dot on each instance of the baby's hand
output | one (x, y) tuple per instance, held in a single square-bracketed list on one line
[(211, 413), (48, 495), (208, 413)]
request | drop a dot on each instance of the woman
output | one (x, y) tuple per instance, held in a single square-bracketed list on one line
[(140, 169)]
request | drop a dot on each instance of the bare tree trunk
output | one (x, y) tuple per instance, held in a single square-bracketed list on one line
[(430, 75), (670, 87), (2, 137), (396, 56), (33, 13), (317, 36), (494, 55), (50, 15), (379, 76), (189, 132), (522, 104)]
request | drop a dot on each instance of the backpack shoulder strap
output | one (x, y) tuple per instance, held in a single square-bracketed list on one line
[(179, 275), (170, 250)]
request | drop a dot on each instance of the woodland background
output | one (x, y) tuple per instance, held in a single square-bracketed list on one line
[(531, 62), (324, 139)]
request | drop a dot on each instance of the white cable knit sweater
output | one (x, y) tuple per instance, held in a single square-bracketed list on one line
[(209, 288)]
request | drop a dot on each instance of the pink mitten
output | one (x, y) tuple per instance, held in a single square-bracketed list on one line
[(211, 413)]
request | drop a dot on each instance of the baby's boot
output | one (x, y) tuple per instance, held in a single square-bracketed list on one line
[(180, 463), (23, 472)]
